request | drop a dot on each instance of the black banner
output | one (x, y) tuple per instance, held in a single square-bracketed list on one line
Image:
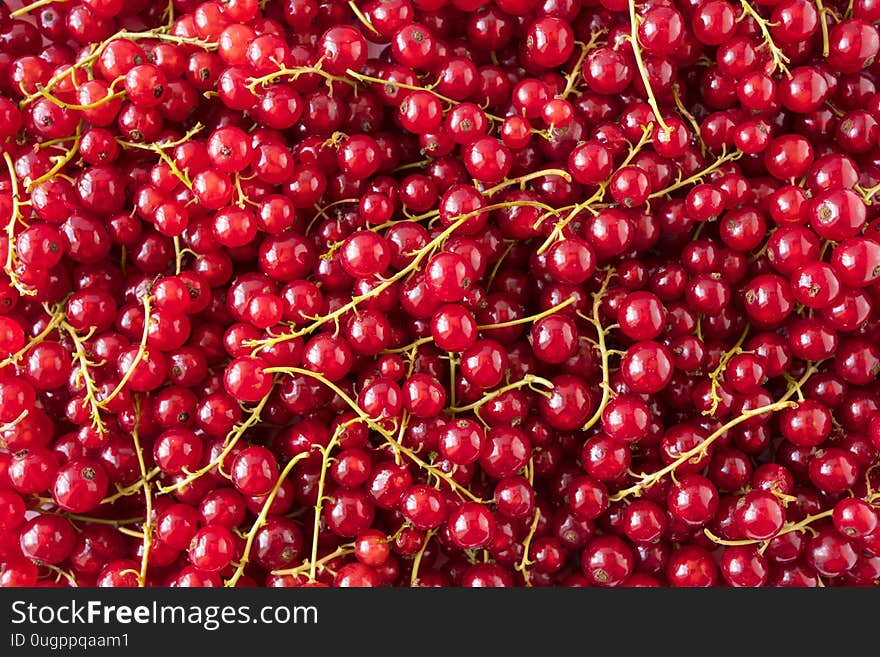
[(455, 621)]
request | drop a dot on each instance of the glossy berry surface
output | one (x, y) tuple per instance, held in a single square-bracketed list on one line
[(439, 293)]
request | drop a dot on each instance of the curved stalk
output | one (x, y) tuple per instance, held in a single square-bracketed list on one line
[(648, 480)]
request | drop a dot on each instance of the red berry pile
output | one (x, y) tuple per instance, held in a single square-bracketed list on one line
[(440, 293)]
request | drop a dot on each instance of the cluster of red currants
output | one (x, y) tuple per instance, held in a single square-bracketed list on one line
[(439, 293)]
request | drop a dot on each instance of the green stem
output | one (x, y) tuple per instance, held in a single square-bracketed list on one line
[(640, 64)]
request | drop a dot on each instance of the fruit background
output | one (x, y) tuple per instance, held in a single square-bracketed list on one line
[(439, 293)]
